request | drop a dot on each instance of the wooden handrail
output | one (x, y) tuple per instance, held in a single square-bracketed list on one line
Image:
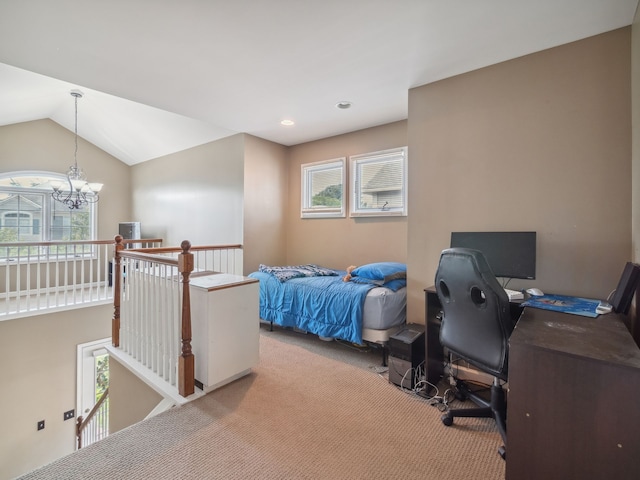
[(81, 423), (79, 242), (135, 254), (178, 249)]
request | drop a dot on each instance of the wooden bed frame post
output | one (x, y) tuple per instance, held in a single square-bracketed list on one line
[(186, 362), (115, 275)]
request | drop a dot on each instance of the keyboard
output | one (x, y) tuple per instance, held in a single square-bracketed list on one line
[(514, 294)]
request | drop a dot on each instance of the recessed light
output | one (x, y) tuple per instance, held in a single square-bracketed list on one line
[(287, 123), (343, 105)]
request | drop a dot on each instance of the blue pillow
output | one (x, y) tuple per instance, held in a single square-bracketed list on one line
[(381, 272)]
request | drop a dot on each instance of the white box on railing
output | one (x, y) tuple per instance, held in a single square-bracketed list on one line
[(225, 323)]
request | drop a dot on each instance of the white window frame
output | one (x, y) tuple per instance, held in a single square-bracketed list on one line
[(86, 354), (307, 210), (356, 162), (47, 209)]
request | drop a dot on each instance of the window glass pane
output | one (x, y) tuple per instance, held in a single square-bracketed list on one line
[(68, 224), (379, 183), (20, 216), (322, 189), (326, 188), (24, 180), (29, 214)]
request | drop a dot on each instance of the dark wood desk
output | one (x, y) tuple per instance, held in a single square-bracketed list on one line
[(574, 394), (574, 398)]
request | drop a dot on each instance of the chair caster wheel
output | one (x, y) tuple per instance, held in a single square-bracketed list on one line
[(447, 420), (503, 452)]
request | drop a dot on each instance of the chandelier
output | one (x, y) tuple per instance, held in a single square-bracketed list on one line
[(76, 191)]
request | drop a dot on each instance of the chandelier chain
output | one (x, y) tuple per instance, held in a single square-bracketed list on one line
[(75, 152)]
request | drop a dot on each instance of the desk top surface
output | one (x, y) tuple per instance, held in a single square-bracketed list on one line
[(605, 338)]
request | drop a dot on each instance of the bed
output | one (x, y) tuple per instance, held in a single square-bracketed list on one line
[(363, 304)]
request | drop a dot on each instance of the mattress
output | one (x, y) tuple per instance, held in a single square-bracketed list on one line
[(384, 308)]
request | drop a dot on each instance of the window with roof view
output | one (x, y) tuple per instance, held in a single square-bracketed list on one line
[(29, 214), (379, 183)]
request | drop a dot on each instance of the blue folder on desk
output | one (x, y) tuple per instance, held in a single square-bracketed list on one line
[(560, 303)]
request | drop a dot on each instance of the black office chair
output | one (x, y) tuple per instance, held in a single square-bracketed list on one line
[(476, 326)]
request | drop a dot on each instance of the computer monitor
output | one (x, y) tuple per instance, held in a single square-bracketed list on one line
[(509, 254), (627, 286)]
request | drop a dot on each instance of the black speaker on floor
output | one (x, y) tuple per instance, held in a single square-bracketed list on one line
[(406, 354)]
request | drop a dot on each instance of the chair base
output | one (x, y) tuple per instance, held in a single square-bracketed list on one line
[(496, 408)]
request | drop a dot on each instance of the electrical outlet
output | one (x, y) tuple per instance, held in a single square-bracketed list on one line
[(68, 415), (41, 425)]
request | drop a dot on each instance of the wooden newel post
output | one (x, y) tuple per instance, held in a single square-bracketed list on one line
[(79, 432), (186, 362), (115, 276)]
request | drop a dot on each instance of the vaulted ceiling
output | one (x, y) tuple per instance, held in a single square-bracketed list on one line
[(160, 76)]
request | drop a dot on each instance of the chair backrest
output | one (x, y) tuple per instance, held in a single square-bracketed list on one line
[(477, 322)]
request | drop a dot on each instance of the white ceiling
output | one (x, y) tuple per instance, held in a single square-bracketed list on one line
[(160, 76)]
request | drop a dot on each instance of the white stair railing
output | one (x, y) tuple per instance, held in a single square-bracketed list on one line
[(95, 426), (150, 314), (152, 311), (52, 275)]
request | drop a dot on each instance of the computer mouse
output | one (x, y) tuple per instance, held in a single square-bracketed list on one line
[(536, 292)]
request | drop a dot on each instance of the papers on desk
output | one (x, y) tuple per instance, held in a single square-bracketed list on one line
[(560, 303), (514, 294)]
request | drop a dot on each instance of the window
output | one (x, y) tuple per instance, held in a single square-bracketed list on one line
[(322, 189), (29, 214), (379, 183)]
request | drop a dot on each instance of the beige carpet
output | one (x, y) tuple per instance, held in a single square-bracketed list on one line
[(299, 415)]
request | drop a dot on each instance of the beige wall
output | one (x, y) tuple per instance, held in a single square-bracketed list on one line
[(45, 145), (340, 242), (38, 354), (194, 195), (130, 399), (38, 382), (265, 200), (538, 143)]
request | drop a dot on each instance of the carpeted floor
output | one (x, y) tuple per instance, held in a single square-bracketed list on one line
[(309, 410)]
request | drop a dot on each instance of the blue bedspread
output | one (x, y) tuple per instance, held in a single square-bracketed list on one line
[(323, 305)]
